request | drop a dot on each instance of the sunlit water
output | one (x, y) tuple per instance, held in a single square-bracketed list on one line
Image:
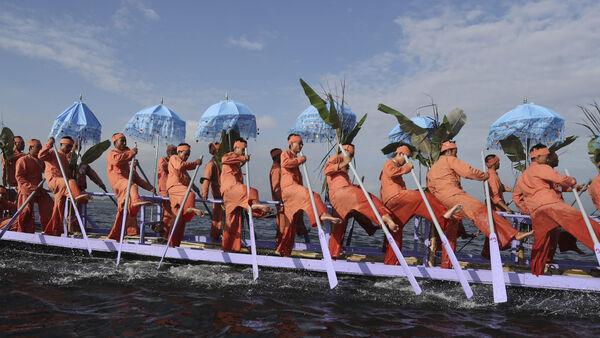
[(56, 294)]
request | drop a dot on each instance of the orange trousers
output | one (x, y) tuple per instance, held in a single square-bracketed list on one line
[(120, 190), (54, 226), (408, 204), (545, 220), (216, 223), (176, 195), (287, 232), (25, 220), (235, 201)]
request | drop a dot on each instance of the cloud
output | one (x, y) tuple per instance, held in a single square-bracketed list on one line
[(486, 63), (243, 43), (126, 16), (265, 122)]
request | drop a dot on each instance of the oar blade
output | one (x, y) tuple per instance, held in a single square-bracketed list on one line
[(411, 278), (498, 283), (456, 266), (253, 246), (328, 263)]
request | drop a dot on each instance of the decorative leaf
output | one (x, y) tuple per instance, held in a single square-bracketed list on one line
[(7, 143), (350, 137), (334, 115), (406, 124), (227, 140), (592, 150), (519, 166), (316, 101), (94, 152), (456, 120), (514, 149), (390, 148), (558, 145)]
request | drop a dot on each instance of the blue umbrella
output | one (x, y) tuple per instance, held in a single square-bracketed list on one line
[(79, 122), (397, 135), (225, 116), (312, 128), (530, 123), (156, 123)]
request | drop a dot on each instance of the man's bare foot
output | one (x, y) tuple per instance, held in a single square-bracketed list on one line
[(389, 222), (328, 218), (262, 207), (522, 235), (453, 211), (82, 198), (196, 211)]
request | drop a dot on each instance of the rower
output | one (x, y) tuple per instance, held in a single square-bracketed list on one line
[(348, 200), (210, 181), (444, 182), (235, 196), (162, 175), (548, 210), (497, 188), (7, 207), (177, 183), (295, 197), (8, 177), (28, 173), (57, 183), (406, 204), (117, 169), (275, 183)]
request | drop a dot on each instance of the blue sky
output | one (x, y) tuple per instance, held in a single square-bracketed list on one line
[(126, 55)]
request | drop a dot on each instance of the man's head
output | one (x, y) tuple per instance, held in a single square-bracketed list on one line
[(171, 150), (213, 148), (276, 155), (295, 143), (553, 159), (19, 143), (66, 144), (119, 141), (183, 151), (34, 147), (349, 148), (239, 146), (402, 150), (492, 161), (449, 148), (539, 153)]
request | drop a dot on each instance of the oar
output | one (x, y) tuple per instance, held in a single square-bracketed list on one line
[(14, 217), (145, 177), (111, 198), (251, 224), (459, 272), (72, 199), (179, 213), (125, 209), (499, 285), (411, 278), (588, 224), (203, 201), (327, 262)]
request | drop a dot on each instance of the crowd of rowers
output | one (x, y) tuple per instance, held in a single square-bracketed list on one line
[(538, 193)]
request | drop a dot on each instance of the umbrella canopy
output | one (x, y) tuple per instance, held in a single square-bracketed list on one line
[(312, 128), (225, 116), (156, 122), (79, 122), (529, 122), (397, 135)]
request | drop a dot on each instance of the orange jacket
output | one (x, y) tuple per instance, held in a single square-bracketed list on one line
[(290, 168), (212, 174), (52, 168), (594, 191), (336, 177), (518, 197), (117, 164), (231, 170), (497, 188), (178, 172), (391, 179), (443, 179), (275, 181), (538, 185), (163, 173), (28, 173)]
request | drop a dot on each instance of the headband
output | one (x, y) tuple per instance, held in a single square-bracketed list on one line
[(240, 144), (275, 152), (17, 137), (183, 147), (294, 139), (66, 141), (447, 146), (538, 152), (403, 150), (117, 136), (33, 142), (492, 161)]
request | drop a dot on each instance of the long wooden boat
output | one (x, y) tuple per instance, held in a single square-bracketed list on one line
[(362, 261)]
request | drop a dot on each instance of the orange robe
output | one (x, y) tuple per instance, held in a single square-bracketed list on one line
[(211, 182), (56, 183), (405, 204), (117, 170), (443, 180), (162, 173), (296, 201), (348, 200), (235, 199), (549, 211), (594, 191), (28, 174), (177, 183), (10, 168)]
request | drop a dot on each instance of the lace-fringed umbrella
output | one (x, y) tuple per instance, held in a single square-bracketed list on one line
[(226, 115), (155, 125), (79, 122), (312, 128), (397, 135), (529, 122)]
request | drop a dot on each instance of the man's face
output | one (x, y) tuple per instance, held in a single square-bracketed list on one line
[(34, 150), (19, 144), (296, 147), (121, 143), (541, 159), (66, 147), (183, 154), (239, 150)]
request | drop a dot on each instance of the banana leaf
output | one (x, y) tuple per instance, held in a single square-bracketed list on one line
[(514, 149), (406, 124), (456, 120), (556, 146), (94, 152), (7, 143), (439, 136), (320, 104), (352, 134), (390, 148), (334, 117)]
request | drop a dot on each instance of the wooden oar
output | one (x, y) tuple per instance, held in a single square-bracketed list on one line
[(327, 262), (251, 224), (125, 209), (411, 278), (14, 217), (72, 199), (498, 283), (179, 213), (459, 272), (588, 224), (145, 177)]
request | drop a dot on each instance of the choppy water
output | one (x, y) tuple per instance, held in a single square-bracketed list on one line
[(50, 294)]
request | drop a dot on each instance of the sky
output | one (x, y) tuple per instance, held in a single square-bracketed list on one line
[(123, 56)]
